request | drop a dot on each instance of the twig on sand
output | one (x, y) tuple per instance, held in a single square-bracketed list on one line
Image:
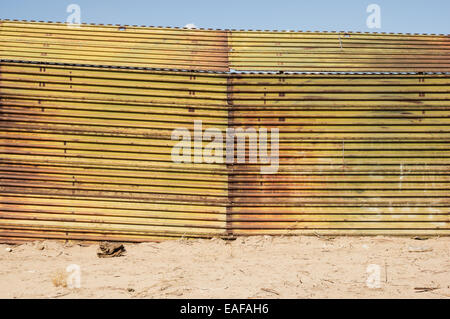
[(425, 289), (60, 295), (270, 290), (385, 271)]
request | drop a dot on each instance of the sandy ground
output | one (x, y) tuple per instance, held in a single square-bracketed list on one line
[(253, 267)]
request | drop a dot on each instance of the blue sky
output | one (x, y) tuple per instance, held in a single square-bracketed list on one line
[(415, 16)]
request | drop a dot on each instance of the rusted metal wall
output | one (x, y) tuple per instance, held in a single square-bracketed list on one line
[(222, 50), (359, 154), (339, 51), (86, 154), (85, 132), (135, 46)]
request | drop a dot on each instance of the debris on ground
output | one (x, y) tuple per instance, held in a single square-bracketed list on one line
[(420, 237), (425, 289), (272, 291), (40, 246), (417, 249), (107, 250), (59, 278)]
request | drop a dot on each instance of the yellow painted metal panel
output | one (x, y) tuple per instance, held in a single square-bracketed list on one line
[(338, 51), (358, 154), (114, 45), (86, 154)]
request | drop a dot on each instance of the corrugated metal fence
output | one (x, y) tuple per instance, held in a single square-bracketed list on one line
[(222, 50), (86, 150), (359, 154), (114, 45), (339, 51), (86, 153)]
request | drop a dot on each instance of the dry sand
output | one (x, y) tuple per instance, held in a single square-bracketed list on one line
[(253, 267)]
